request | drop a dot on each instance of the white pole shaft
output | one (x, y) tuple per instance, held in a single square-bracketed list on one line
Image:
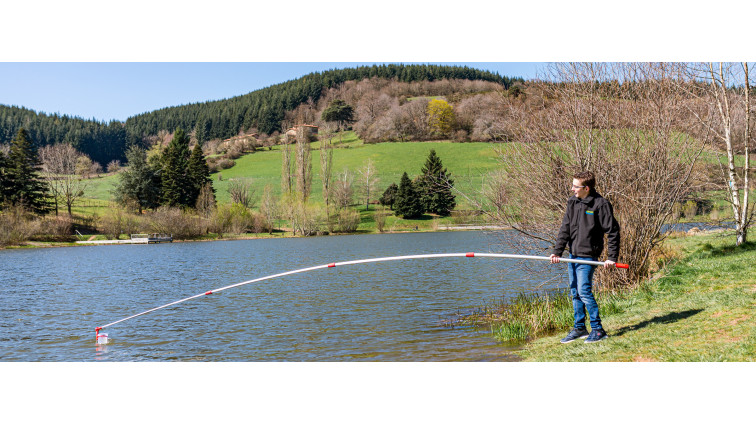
[(346, 263)]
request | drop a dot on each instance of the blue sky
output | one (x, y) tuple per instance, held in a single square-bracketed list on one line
[(117, 90), (112, 62)]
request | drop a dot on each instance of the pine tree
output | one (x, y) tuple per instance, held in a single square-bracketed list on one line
[(199, 174), (434, 185), (23, 185), (176, 182), (140, 183), (407, 203), (338, 111), (389, 196), (3, 179)]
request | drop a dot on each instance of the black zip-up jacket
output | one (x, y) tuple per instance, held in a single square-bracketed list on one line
[(583, 227)]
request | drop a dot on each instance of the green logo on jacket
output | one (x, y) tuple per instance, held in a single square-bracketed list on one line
[(589, 212)]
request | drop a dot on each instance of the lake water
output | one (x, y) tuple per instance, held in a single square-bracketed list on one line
[(52, 300), (684, 227)]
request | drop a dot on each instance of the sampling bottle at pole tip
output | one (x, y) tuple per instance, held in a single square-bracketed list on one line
[(100, 338)]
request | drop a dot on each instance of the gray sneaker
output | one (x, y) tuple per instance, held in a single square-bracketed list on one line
[(596, 336), (574, 334)]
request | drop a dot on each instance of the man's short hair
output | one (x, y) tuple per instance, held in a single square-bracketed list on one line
[(586, 178)]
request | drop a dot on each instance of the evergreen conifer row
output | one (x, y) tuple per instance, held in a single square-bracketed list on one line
[(175, 178), (20, 182), (102, 142), (407, 203), (430, 192), (434, 185), (140, 183)]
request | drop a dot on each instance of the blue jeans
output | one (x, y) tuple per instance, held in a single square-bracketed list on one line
[(581, 282)]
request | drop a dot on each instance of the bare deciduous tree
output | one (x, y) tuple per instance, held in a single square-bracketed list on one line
[(114, 166), (287, 167), (412, 120), (325, 135), (242, 192), (84, 166), (304, 164), (206, 201), (342, 189), (723, 94), (371, 107), (304, 217), (380, 219), (269, 207), (305, 113), (60, 165), (623, 132), (368, 178)]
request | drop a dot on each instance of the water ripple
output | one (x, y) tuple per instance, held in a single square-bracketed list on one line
[(53, 299)]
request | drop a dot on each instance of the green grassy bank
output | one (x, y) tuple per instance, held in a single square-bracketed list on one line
[(699, 308)]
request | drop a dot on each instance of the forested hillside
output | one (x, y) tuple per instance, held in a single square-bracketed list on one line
[(102, 142), (262, 111), (265, 109)]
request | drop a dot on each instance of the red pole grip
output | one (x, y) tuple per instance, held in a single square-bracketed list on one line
[(622, 266)]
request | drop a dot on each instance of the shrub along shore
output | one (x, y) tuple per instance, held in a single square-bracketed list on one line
[(24, 232), (699, 306)]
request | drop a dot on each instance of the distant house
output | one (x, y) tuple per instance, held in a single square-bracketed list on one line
[(310, 131), (243, 137)]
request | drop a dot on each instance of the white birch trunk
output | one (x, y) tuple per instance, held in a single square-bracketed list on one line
[(743, 225), (740, 211)]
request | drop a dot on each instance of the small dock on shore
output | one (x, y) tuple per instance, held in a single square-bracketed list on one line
[(141, 238)]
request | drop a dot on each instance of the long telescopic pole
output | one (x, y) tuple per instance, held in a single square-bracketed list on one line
[(346, 263)]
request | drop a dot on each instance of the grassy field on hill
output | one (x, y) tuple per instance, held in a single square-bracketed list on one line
[(467, 162)]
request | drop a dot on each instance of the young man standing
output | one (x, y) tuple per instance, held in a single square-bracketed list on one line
[(588, 217)]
